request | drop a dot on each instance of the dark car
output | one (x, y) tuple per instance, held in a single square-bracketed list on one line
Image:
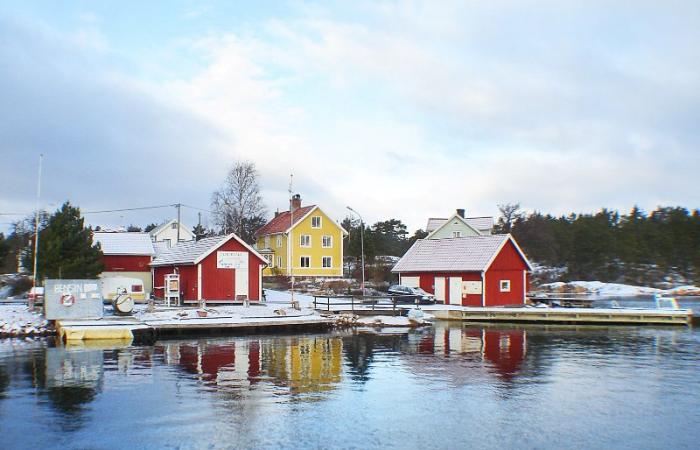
[(408, 294)]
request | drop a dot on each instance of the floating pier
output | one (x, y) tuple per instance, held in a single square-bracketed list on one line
[(626, 316), (114, 327)]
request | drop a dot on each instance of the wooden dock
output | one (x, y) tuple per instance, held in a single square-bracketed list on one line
[(622, 316), (125, 328)]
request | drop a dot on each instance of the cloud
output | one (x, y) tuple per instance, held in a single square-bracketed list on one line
[(400, 109)]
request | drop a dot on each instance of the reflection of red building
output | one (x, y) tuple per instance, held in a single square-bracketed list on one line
[(502, 350)]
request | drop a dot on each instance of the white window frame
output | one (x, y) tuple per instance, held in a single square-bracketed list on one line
[(323, 261), (330, 241), (270, 260), (279, 261), (267, 241), (301, 240), (301, 264), (456, 234), (504, 285), (279, 241), (320, 222)]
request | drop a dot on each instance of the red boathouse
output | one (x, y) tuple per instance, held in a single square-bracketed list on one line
[(468, 271), (220, 269)]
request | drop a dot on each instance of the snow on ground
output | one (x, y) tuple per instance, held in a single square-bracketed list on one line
[(232, 312), (17, 320), (389, 321), (285, 297), (601, 289)]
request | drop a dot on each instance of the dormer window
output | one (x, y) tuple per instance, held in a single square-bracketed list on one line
[(316, 222)]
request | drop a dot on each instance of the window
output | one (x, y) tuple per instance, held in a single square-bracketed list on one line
[(167, 242), (279, 261), (327, 261), (327, 241), (456, 234), (173, 225), (279, 242), (136, 288), (505, 285), (316, 222), (305, 240), (267, 241), (270, 260), (304, 261)]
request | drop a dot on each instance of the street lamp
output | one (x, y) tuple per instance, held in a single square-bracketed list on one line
[(362, 246)]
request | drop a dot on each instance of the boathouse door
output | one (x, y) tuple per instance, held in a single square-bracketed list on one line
[(440, 289), (455, 290)]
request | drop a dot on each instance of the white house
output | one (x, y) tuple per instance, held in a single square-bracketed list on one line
[(168, 233), (459, 226)]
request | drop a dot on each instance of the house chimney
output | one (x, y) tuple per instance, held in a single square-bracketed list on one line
[(277, 213), (460, 213), (296, 202)]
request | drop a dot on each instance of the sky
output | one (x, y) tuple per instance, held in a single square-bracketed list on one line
[(403, 110)]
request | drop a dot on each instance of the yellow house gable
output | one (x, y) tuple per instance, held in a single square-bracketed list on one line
[(313, 247)]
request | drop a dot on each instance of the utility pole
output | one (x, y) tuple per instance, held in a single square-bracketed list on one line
[(36, 233), (178, 205), (290, 244)]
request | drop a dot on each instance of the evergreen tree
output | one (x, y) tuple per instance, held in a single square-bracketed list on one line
[(150, 227), (65, 247)]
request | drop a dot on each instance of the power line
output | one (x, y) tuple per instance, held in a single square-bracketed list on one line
[(128, 209), (198, 209)]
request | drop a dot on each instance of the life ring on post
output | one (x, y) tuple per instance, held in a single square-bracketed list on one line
[(67, 299)]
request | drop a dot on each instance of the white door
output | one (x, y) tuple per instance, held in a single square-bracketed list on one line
[(241, 281), (410, 281), (455, 290), (440, 289)]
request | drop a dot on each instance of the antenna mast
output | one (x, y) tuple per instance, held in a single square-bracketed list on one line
[(289, 237)]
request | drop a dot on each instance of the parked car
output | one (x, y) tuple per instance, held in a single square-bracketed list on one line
[(36, 294), (408, 294)]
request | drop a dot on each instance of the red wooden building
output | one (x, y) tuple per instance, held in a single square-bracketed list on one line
[(468, 271), (219, 269), (126, 255)]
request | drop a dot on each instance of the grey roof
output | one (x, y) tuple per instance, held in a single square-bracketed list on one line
[(471, 253), (160, 247), (480, 223), (187, 252), (124, 243)]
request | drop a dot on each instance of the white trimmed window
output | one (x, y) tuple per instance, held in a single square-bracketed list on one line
[(279, 241), (279, 261), (267, 241), (456, 234), (504, 285), (316, 222), (305, 240), (327, 241), (173, 226), (327, 261), (270, 260), (305, 261)]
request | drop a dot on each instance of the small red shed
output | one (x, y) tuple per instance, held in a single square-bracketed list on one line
[(219, 269), (469, 271)]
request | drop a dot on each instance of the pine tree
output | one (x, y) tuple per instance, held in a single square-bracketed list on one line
[(66, 249)]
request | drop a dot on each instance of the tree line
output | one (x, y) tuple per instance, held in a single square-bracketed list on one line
[(638, 248)]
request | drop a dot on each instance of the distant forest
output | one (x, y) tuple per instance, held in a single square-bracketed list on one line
[(637, 248)]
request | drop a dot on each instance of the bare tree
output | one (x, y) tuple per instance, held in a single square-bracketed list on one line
[(510, 212), (238, 205)]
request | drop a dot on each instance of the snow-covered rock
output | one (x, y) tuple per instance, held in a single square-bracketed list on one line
[(598, 288), (17, 320)]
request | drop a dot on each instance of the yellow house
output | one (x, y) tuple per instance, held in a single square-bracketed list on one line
[(303, 242)]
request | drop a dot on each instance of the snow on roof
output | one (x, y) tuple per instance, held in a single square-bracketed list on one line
[(127, 243), (480, 223), (165, 225), (283, 221), (160, 247), (187, 252), (471, 253)]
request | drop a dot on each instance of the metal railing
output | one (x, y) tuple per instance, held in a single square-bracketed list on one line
[(381, 303)]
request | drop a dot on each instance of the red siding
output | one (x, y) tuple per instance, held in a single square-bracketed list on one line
[(217, 284), (126, 263), (427, 283), (508, 259)]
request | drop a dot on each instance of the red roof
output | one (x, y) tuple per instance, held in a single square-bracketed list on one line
[(282, 222)]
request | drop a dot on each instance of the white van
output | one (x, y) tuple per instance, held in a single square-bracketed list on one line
[(133, 286)]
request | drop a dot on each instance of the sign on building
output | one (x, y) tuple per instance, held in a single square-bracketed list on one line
[(73, 299), (471, 287), (231, 260)]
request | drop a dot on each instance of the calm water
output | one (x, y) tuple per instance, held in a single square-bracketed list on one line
[(446, 387)]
